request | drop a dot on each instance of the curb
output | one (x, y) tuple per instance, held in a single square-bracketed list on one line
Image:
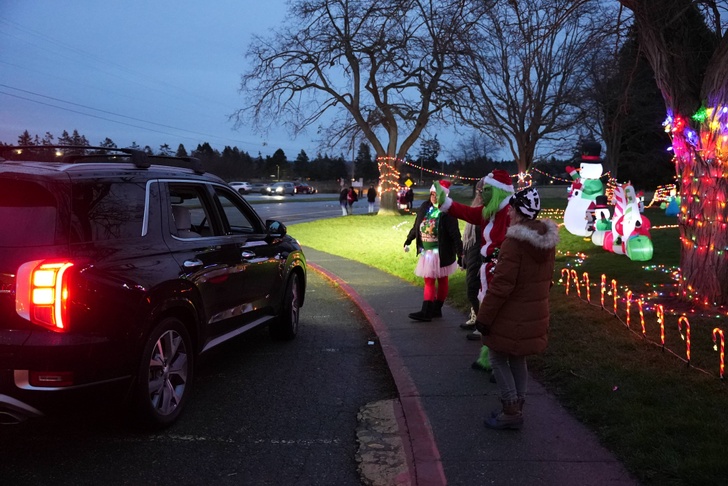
[(423, 456)]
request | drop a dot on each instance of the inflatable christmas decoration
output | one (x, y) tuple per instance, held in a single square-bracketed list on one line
[(603, 222), (630, 234), (584, 190)]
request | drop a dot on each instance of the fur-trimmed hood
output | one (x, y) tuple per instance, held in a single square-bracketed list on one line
[(542, 234)]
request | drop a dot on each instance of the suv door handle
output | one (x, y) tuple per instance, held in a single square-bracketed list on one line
[(247, 254), (192, 263)]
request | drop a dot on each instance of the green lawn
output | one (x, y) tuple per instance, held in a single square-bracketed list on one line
[(664, 419)]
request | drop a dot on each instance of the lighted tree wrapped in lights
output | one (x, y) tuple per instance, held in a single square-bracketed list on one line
[(690, 64)]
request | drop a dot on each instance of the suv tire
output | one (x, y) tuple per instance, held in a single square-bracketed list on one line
[(164, 379), (285, 327)]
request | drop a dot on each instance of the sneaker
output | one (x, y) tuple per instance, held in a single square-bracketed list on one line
[(474, 336), (470, 323)]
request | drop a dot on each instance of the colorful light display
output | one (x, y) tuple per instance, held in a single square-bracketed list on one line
[(569, 277)]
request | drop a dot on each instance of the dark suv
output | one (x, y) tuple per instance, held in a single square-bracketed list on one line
[(119, 269)]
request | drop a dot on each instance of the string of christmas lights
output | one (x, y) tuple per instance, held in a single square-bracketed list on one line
[(571, 277)]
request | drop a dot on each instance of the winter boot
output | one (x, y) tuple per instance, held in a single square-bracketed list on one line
[(437, 308), (509, 418), (469, 325), (483, 361), (425, 314), (521, 402)]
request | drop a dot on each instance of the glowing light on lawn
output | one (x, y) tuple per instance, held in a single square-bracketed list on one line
[(719, 331), (642, 317), (661, 321), (614, 292), (568, 278), (585, 276), (686, 336), (576, 282), (629, 305), (603, 288)]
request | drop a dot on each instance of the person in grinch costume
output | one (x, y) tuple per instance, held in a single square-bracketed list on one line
[(492, 217)]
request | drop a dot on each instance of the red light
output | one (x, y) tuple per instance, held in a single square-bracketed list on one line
[(50, 379), (42, 293)]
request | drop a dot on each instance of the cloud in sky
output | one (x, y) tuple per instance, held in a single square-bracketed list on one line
[(160, 72)]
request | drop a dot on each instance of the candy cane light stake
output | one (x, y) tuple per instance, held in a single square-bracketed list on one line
[(718, 330), (565, 271), (576, 282), (661, 321), (685, 337), (629, 306)]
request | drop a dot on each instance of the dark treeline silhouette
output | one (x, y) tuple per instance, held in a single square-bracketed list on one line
[(234, 164)]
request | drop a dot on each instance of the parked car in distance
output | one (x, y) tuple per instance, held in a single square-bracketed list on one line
[(241, 187), (280, 189), (257, 187), (119, 270), (303, 188)]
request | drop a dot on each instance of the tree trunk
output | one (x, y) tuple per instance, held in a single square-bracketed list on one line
[(703, 235), (389, 183), (691, 69)]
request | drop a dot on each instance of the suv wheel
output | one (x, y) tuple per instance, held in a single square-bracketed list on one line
[(285, 327), (165, 373)]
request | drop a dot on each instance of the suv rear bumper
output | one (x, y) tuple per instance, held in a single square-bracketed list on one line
[(13, 411)]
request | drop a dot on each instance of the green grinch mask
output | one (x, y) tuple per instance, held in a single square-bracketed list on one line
[(486, 194)]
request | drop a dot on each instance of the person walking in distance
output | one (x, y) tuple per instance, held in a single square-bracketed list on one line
[(371, 198), (514, 314), (351, 198), (343, 201), (440, 248)]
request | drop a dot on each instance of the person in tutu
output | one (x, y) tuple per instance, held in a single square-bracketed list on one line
[(440, 248)]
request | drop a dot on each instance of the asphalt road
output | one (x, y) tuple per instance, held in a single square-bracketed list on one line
[(262, 413), (303, 207)]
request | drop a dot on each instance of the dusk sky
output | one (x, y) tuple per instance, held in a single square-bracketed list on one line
[(150, 72)]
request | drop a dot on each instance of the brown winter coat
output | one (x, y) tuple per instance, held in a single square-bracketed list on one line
[(515, 309)]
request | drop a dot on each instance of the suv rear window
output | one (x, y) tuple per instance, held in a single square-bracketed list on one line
[(28, 214), (103, 210)]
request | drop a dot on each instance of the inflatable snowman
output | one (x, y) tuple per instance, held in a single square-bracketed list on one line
[(586, 191)]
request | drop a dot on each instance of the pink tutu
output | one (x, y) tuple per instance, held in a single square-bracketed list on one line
[(428, 266)]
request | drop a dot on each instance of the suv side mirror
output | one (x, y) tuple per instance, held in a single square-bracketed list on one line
[(275, 228)]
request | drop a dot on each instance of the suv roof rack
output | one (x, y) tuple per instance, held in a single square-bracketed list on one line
[(69, 154)]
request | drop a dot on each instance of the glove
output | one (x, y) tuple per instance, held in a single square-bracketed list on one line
[(484, 330), (406, 248), (441, 194)]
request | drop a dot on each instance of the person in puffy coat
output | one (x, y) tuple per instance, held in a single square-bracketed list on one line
[(514, 314)]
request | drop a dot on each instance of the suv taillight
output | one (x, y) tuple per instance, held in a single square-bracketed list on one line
[(42, 293)]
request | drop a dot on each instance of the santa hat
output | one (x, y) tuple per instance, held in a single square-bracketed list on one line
[(500, 179), (445, 187)]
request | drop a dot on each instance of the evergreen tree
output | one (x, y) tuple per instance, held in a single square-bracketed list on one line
[(25, 139), (181, 151), (364, 166), (301, 166)]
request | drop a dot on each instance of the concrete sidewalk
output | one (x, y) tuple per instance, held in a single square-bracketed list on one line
[(444, 401)]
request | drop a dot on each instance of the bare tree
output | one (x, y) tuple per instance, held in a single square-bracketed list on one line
[(382, 69), (527, 80), (685, 45)]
